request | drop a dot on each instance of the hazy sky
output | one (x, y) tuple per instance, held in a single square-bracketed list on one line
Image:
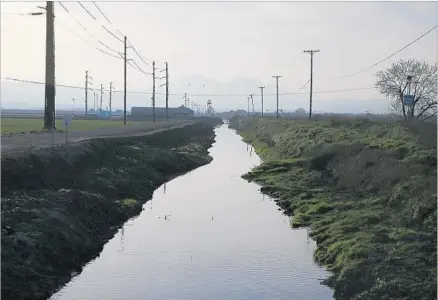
[(229, 47)]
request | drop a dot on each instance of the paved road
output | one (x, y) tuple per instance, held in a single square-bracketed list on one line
[(44, 139)]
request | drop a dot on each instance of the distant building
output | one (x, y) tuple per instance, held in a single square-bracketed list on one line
[(160, 112)]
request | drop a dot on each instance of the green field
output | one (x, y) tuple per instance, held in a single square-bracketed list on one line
[(368, 192), (17, 125)]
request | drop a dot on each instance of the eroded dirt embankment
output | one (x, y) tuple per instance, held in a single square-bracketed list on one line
[(61, 205)]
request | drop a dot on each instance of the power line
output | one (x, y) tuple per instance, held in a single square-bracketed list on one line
[(138, 68), (301, 88), (23, 14), (98, 8), (108, 53), (85, 29), (86, 10), (398, 51), (85, 41), (139, 55), (106, 29), (104, 15), (194, 95), (115, 36)]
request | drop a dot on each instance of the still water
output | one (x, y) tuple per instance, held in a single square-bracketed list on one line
[(206, 235)]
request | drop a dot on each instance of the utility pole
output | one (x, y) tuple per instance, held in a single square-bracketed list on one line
[(311, 52), (276, 78), (153, 91), (87, 83), (167, 90), (252, 103), (261, 91), (95, 102), (124, 85), (101, 97), (248, 106), (110, 95), (49, 101), (185, 99), (86, 93)]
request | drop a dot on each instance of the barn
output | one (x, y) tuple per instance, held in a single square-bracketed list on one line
[(160, 112)]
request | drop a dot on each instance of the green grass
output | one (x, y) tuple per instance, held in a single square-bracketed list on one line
[(368, 192), (129, 202), (16, 125)]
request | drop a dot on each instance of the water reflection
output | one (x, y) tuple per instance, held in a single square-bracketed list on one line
[(210, 235)]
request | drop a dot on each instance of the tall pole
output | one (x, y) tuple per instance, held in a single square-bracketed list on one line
[(110, 98), (311, 52), (49, 107), (252, 103), (124, 85), (261, 92), (185, 99), (248, 106), (153, 91), (167, 90), (276, 78), (86, 93), (101, 97)]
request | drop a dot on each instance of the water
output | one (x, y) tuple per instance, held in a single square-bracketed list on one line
[(206, 235)]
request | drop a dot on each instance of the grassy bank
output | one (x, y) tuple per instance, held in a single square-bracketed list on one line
[(368, 192), (27, 125), (61, 205)]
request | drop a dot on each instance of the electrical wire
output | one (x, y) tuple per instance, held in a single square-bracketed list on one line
[(138, 68), (398, 51), (105, 16), (115, 36), (98, 8), (107, 30), (86, 10), (23, 14), (94, 18), (86, 30), (194, 95), (301, 88), (85, 41), (139, 55)]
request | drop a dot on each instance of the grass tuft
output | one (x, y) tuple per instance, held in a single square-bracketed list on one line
[(368, 192)]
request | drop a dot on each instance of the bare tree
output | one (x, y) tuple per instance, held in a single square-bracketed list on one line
[(417, 78)]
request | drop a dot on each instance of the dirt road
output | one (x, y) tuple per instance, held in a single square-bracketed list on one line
[(20, 142)]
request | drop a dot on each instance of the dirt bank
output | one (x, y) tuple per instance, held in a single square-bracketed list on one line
[(368, 192), (61, 205)]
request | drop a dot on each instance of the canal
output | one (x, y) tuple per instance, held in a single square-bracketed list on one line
[(206, 235)]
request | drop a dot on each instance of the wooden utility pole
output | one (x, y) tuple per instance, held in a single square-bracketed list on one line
[(261, 91), (49, 101), (86, 93), (276, 78), (124, 86), (252, 103), (311, 52), (167, 90), (101, 97), (248, 105), (153, 91), (185, 99), (110, 98)]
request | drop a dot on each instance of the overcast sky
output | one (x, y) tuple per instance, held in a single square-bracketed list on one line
[(229, 47)]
